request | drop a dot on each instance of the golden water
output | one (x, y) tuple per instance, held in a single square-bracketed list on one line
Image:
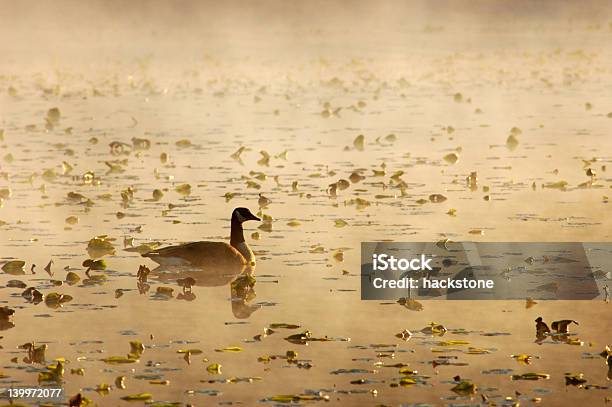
[(270, 97)]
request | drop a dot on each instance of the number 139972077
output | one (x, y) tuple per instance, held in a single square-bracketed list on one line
[(32, 393)]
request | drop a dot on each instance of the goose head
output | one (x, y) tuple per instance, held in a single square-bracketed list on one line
[(241, 215)]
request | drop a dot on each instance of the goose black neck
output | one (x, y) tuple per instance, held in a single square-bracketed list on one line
[(237, 234)]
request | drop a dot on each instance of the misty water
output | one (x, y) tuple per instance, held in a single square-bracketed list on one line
[(155, 140)]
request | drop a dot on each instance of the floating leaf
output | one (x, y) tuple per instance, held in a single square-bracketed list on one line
[(237, 153), (342, 184), (157, 194), (296, 398), (522, 358), (191, 351), (183, 189), (53, 115), (412, 305), (165, 291), (477, 351), (451, 158), (265, 158), (14, 267), (339, 223), (72, 220), (120, 382), (96, 265), (230, 349), (355, 177), (407, 371), (144, 247), (437, 198), (78, 371), (512, 142), (183, 143), (54, 373), (434, 329), (5, 193), (57, 300), (359, 142), (103, 389), (283, 326), (119, 360), (531, 376), (136, 349), (100, 246), (16, 284), (138, 397), (465, 388), (253, 185), (300, 338), (562, 185), (453, 343), (214, 368), (407, 381)]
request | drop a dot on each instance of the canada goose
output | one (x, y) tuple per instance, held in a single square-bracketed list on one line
[(211, 254)]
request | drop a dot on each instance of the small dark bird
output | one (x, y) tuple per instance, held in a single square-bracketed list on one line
[(186, 283), (541, 328), (561, 326)]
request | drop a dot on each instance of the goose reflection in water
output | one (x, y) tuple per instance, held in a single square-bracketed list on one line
[(241, 280)]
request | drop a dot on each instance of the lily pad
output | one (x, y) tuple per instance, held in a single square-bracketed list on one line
[(138, 397), (14, 267)]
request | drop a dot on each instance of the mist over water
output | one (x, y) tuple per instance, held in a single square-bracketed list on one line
[(128, 126)]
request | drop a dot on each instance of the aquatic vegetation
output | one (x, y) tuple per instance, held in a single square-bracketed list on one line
[(465, 388), (531, 376), (14, 267), (100, 246), (334, 151), (451, 158), (183, 189)]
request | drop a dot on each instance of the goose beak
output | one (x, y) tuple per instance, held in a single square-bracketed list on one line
[(253, 217)]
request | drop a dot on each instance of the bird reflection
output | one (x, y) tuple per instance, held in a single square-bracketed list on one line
[(243, 292), (559, 333), (241, 281)]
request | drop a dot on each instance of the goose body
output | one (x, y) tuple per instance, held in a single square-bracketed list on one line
[(211, 254)]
